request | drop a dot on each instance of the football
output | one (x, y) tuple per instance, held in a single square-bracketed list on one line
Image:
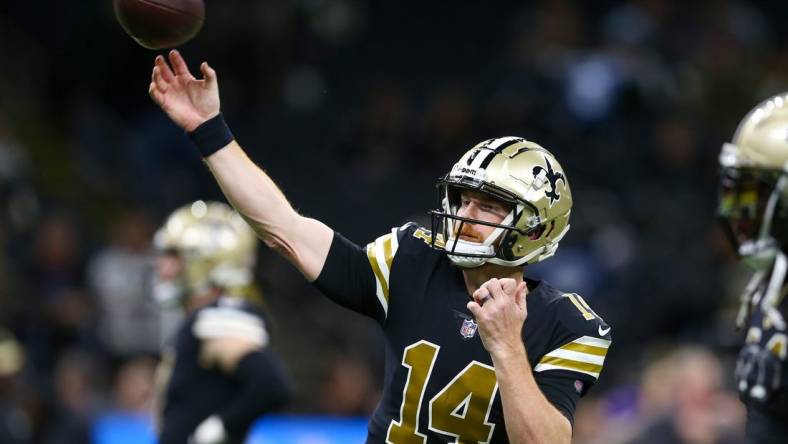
[(158, 24)]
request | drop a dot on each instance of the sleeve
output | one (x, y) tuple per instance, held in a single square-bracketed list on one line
[(576, 355), (358, 278)]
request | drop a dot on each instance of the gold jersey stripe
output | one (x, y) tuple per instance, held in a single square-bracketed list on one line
[(388, 252), (590, 349), (576, 356), (373, 262), (570, 364), (547, 367), (380, 254), (587, 315)]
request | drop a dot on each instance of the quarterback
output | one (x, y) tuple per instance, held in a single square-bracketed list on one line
[(474, 351), (753, 207)]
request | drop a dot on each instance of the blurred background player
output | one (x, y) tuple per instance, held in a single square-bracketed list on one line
[(754, 208), (219, 373)]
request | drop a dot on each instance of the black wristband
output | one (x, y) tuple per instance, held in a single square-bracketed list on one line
[(211, 136)]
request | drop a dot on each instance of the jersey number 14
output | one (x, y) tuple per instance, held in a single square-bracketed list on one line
[(461, 409)]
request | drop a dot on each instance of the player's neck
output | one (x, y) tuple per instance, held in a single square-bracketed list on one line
[(475, 277)]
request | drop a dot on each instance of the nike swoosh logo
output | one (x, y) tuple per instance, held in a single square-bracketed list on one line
[(602, 331)]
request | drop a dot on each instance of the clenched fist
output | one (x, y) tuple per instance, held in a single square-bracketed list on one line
[(500, 310)]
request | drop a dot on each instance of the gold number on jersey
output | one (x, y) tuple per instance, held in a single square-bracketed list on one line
[(427, 237), (419, 359), (582, 305), (460, 409)]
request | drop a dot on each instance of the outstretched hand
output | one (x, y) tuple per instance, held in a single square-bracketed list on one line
[(187, 101), (500, 310)]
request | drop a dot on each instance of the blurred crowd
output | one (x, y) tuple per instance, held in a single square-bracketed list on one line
[(355, 108)]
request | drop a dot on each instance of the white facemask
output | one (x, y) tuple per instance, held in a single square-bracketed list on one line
[(485, 248)]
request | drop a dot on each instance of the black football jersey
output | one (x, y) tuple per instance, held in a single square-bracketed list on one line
[(762, 367), (439, 383), (194, 392)]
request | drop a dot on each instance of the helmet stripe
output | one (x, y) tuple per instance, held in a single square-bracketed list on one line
[(480, 146), (481, 158), (498, 146), (472, 156)]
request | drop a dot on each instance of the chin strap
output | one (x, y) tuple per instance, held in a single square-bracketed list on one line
[(466, 247), (481, 252)]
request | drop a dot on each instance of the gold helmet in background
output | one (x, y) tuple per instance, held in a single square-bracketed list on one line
[(519, 173), (754, 183), (215, 246), (12, 355)]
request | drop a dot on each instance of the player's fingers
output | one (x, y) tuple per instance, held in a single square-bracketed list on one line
[(481, 295), (496, 290), (157, 80), (155, 75), (161, 63), (178, 64), (475, 309), (154, 93), (521, 292), (164, 68), (508, 285), (208, 74)]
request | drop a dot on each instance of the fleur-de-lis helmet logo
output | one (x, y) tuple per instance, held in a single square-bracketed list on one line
[(552, 177)]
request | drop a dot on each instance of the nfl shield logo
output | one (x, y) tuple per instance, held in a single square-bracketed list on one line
[(468, 328)]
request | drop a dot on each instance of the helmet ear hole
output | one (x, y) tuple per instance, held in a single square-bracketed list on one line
[(536, 232)]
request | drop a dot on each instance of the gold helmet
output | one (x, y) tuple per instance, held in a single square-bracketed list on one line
[(12, 355), (217, 248), (753, 190), (517, 172)]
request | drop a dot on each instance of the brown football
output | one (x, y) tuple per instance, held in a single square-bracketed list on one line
[(158, 24)]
